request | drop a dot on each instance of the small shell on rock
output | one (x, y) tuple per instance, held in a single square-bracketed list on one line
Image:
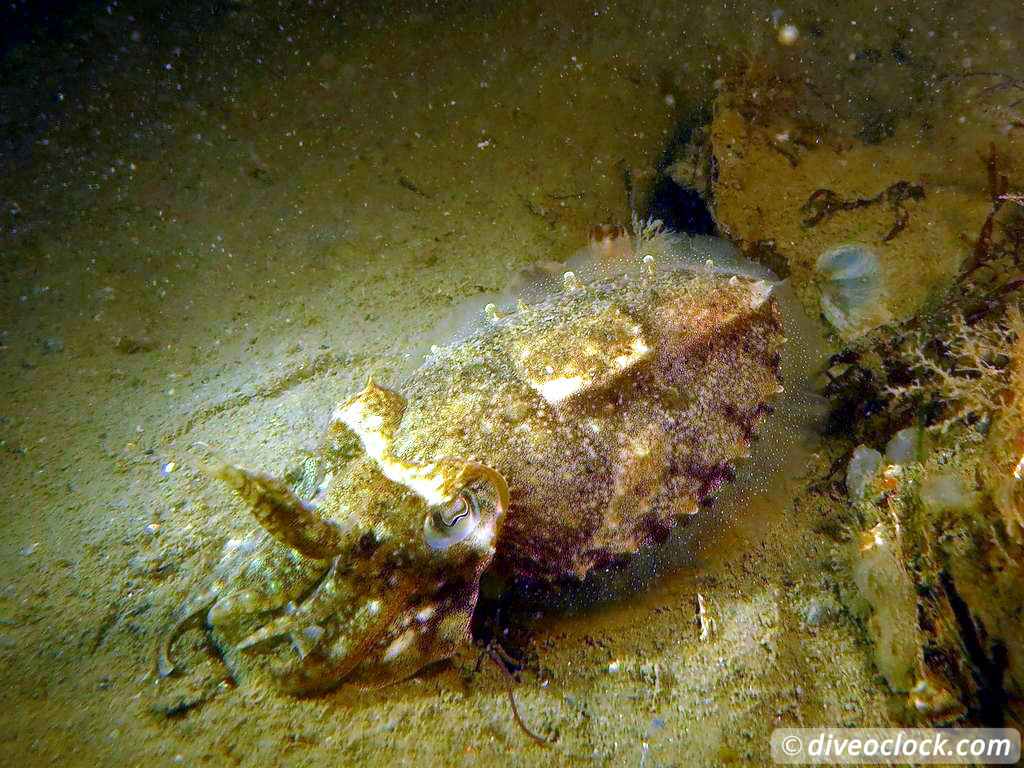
[(851, 289)]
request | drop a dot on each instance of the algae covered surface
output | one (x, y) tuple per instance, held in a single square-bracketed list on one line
[(219, 220)]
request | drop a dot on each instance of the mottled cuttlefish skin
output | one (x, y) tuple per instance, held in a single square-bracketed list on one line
[(556, 438)]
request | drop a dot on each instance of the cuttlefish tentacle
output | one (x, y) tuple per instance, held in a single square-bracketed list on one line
[(311, 611), (373, 619), (188, 612), (284, 514)]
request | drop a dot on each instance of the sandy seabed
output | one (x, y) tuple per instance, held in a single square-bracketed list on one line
[(218, 222)]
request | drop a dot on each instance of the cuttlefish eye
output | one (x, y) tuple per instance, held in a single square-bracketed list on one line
[(450, 523)]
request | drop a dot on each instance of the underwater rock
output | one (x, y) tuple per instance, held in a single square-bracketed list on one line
[(551, 439), (765, 176), (941, 580)]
